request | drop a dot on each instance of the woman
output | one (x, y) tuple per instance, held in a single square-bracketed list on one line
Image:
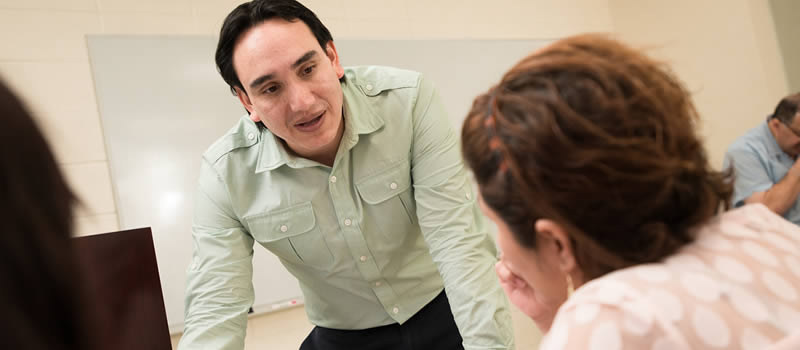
[(587, 159), (40, 298)]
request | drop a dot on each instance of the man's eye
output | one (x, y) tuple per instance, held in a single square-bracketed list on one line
[(271, 89), (308, 70)]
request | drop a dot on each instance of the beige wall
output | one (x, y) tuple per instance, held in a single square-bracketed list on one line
[(725, 51), (787, 26)]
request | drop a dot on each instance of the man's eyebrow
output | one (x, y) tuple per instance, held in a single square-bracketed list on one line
[(260, 80), (303, 59)]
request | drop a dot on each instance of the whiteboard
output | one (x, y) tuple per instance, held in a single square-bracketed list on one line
[(162, 103)]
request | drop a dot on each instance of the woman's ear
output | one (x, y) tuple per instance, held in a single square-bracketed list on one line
[(561, 245)]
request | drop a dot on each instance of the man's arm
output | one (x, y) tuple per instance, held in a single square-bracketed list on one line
[(219, 288), (753, 184), (454, 228), (782, 196)]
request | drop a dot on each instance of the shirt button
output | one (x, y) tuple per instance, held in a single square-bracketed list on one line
[(369, 87), (363, 258), (378, 284), (333, 179), (347, 222), (469, 196), (284, 228), (251, 136), (393, 185), (395, 310)]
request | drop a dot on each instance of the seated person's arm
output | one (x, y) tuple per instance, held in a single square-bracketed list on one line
[(782, 196), (753, 185)]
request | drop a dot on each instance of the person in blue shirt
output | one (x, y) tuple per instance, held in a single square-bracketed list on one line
[(764, 161)]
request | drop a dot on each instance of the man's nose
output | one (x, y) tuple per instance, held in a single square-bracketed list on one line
[(300, 98)]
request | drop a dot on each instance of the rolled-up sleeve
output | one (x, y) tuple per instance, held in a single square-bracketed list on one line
[(219, 289), (454, 228)]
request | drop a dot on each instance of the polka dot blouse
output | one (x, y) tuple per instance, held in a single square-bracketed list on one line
[(736, 287)]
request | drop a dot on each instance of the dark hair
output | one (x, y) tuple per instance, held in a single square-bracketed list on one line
[(787, 109), (42, 303), (601, 139), (253, 13)]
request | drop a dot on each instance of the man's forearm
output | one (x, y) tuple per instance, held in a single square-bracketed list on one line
[(783, 195)]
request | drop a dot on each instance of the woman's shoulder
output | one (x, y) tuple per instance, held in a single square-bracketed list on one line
[(736, 286)]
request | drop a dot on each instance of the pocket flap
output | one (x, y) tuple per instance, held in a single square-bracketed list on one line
[(282, 223), (386, 184)]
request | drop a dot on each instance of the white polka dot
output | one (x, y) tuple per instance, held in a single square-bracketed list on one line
[(652, 273), (756, 225), (611, 292), (737, 230), (788, 318), (557, 336), (700, 286), (793, 263), (733, 269), (714, 242), (778, 286), (668, 304), (636, 321), (687, 261), (754, 340), (710, 328), (781, 243), (585, 313), (748, 305), (665, 343), (791, 230), (756, 251), (605, 337)]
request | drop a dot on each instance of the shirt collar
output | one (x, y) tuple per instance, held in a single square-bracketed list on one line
[(363, 117), (360, 118)]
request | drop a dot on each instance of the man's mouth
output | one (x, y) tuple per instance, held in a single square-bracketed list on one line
[(310, 123)]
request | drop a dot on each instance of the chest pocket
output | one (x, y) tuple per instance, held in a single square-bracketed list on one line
[(293, 235), (389, 192)]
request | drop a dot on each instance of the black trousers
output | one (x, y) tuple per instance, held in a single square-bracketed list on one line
[(433, 327)]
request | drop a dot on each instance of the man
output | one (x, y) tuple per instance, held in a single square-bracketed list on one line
[(353, 178), (765, 162)]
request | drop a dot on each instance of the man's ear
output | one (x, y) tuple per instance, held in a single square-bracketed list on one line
[(773, 124), (333, 56), (561, 244), (245, 100)]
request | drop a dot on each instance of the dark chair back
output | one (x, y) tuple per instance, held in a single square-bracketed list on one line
[(124, 289)]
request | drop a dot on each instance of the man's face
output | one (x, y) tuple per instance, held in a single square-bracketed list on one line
[(787, 135), (291, 85)]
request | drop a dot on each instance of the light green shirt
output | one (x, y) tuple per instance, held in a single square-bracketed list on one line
[(371, 240)]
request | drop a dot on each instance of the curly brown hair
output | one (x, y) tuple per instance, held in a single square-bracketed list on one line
[(600, 138)]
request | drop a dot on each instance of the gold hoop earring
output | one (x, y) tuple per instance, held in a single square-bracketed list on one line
[(570, 286)]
